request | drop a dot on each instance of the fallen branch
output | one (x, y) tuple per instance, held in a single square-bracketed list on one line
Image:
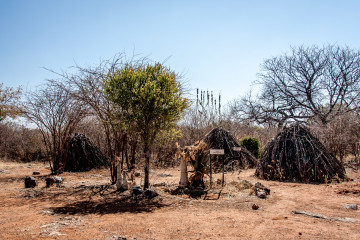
[(316, 215)]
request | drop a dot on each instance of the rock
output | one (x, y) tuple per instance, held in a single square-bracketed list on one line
[(260, 190), (36, 173), (54, 179), (259, 185), (261, 194), (137, 190), (351, 206), (30, 182), (151, 193), (255, 206)]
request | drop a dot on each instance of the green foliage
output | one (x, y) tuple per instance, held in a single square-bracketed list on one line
[(251, 144), (149, 98), (8, 102)]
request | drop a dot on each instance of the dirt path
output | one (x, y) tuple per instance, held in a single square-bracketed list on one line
[(87, 207)]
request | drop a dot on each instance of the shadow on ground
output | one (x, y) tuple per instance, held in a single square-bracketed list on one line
[(126, 204)]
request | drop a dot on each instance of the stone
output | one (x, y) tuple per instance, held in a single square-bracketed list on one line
[(261, 193), (351, 206), (261, 186), (53, 179), (137, 190), (30, 182), (151, 193), (255, 206), (260, 190)]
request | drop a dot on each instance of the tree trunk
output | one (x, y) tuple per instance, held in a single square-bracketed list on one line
[(183, 173), (119, 180), (147, 164), (125, 184), (133, 152)]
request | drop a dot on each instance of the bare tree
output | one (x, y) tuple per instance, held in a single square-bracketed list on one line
[(341, 136), (20, 143), (310, 83), (86, 86), (56, 114)]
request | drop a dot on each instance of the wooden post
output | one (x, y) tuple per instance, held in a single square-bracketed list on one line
[(223, 173), (210, 173), (216, 152)]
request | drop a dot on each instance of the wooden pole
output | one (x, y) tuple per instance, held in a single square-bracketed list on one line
[(223, 171), (210, 173)]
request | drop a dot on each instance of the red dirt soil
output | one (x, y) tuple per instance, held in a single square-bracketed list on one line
[(85, 207)]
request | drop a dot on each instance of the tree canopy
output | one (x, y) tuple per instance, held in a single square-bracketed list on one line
[(149, 98), (309, 83)]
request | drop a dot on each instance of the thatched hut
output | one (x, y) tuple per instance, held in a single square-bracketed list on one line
[(83, 155), (295, 155), (235, 155)]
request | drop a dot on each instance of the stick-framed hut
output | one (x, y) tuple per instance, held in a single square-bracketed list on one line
[(295, 155), (83, 155), (235, 157)]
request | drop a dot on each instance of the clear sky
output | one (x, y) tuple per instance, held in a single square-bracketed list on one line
[(218, 45)]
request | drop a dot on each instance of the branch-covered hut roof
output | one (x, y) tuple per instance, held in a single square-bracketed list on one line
[(295, 155)]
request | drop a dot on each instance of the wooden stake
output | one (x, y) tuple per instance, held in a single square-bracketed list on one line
[(223, 171), (210, 173)]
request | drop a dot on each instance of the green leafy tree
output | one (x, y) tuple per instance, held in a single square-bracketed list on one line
[(8, 102), (149, 99)]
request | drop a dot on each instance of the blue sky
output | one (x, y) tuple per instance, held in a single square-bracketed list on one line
[(218, 45)]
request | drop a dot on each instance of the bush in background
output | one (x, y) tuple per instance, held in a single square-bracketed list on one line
[(252, 144)]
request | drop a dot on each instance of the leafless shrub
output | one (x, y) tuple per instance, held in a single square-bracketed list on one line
[(20, 143), (56, 114)]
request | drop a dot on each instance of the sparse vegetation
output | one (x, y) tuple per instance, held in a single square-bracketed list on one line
[(9, 102)]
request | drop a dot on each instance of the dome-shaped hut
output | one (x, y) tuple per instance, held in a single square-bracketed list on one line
[(235, 156), (295, 155), (83, 155)]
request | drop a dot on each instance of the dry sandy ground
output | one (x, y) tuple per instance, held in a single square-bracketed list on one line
[(85, 207)]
